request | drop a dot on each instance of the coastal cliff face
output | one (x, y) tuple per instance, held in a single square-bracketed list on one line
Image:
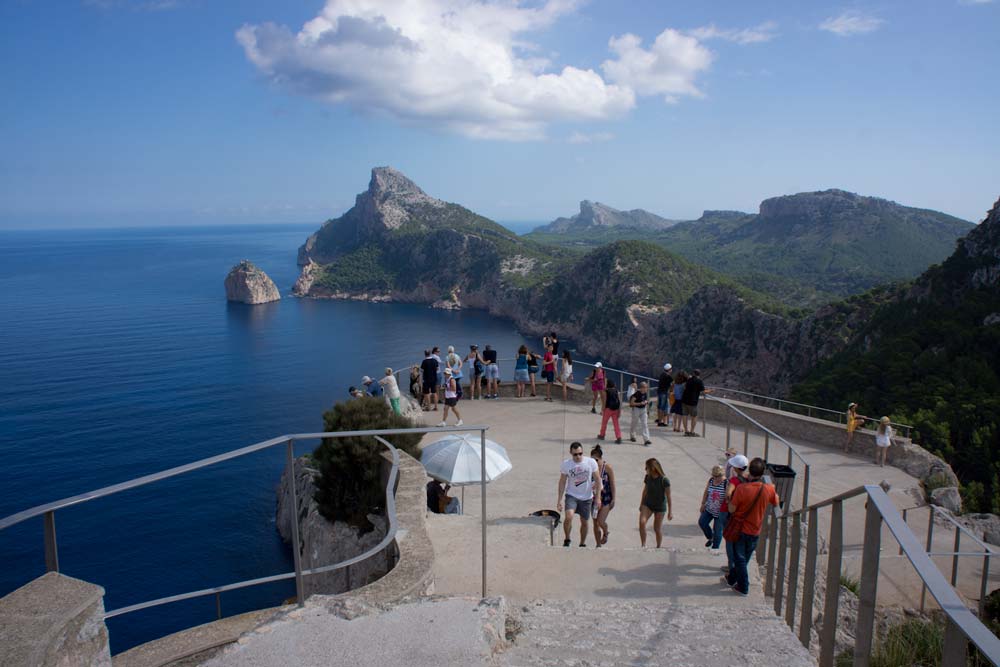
[(322, 542), (248, 284)]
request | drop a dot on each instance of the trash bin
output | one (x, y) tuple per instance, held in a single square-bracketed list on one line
[(783, 478)]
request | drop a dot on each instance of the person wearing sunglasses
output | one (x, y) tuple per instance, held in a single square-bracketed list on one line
[(580, 486)]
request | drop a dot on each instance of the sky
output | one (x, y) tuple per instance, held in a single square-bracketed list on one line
[(160, 112)]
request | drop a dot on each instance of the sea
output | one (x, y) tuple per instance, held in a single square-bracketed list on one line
[(120, 357)]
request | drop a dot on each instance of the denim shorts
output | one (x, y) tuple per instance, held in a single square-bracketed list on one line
[(549, 376), (581, 507), (663, 402), (492, 372), (521, 375)]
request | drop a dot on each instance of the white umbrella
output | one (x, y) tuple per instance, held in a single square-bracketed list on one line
[(455, 460)]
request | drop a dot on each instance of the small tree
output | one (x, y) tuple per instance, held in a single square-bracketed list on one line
[(349, 486)]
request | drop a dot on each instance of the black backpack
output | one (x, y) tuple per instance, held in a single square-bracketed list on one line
[(613, 402)]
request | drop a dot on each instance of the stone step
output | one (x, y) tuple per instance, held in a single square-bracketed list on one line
[(573, 632)]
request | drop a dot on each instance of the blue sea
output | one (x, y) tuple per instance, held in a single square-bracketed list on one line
[(120, 357)]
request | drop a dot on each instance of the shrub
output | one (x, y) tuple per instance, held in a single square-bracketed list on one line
[(349, 487), (912, 643), (850, 584), (935, 481)]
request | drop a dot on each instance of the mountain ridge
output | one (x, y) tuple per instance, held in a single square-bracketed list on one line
[(597, 215)]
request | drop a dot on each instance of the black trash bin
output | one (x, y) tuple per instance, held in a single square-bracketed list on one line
[(783, 478)]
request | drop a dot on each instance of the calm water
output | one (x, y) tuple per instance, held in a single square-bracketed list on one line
[(119, 357)]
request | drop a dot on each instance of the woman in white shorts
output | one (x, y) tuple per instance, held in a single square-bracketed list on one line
[(883, 438), (566, 372)]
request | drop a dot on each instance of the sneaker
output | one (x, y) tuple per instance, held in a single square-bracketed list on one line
[(708, 543), (442, 424), (739, 592), (566, 542), (632, 438), (598, 545), (688, 434), (600, 437), (648, 443), (459, 422), (618, 441)]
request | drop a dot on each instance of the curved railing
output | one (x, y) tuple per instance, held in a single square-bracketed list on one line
[(48, 510), (782, 560)]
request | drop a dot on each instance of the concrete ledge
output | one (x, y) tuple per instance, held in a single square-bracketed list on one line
[(54, 620)]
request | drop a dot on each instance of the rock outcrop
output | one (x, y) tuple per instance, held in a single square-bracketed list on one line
[(595, 215), (248, 284), (322, 542)]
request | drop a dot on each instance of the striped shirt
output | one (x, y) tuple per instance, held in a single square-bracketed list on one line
[(716, 494)]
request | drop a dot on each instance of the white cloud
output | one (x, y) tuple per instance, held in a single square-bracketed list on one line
[(464, 65), (667, 68), (581, 138), (852, 22), (764, 32)]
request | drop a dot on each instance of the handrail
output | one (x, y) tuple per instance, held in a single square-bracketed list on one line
[(961, 624), (809, 408), (48, 510), (937, 511)]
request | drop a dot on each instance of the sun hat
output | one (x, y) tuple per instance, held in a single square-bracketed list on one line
[(598, 365), (738, 461), (366, 379), (667, 366)]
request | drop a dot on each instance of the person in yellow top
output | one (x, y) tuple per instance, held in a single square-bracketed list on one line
[(854, 422)]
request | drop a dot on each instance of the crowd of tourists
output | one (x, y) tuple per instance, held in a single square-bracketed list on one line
[(732, 507)]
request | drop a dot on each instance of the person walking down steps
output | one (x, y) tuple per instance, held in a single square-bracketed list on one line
[(612, 411), (638, 402), (580, 486)]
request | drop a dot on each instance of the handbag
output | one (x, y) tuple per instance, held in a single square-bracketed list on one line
[(735, 526)]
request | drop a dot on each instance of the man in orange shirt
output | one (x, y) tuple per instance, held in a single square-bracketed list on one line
[(749, 502)]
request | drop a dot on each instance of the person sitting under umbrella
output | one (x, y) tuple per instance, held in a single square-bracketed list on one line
[(438, 500)]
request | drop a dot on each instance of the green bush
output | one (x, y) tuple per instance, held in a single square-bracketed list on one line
[(349, 487), (912, 643)]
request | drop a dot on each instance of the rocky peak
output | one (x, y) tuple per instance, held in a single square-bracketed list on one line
[(817, 205), (387, 199), (982, 245), (248, 284), (596, 213)]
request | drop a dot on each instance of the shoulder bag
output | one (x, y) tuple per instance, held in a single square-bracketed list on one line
[(735, 526)]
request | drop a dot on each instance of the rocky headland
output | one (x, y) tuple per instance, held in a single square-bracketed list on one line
[(246, 283), (595, 215)]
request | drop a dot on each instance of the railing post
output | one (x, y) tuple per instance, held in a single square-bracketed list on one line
[(954, 559), (805, 486), (729, 428), (772, 546), (51, 545), (793, 570), (984, 584), (930, 543), (779, 583), (955, 646), (704, 423), (746, 438), (789, 464), (482, 493), (296, 546), (809, 578), (828, 633), (761, 550), (767, 444), (218, 606), (904, 521), (863, 633)]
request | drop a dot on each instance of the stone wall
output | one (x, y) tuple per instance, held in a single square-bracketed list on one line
[(54, 621)]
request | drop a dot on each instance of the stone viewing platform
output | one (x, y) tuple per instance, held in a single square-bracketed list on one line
[(619, 604), (554, 605)]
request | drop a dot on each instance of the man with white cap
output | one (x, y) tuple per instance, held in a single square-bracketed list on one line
[(371, 387), (663, 396), (736, 473)]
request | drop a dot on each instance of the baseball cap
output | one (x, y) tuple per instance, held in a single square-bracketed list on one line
[(667, 366), (739, 461), (366, 379), (598, 365)]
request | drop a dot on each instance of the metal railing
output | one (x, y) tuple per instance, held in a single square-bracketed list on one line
[(784, 405), (986, 554), (961, 625), (48, 510)]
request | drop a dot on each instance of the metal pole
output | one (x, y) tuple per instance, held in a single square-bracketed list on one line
[(729, 428), (482, 491), (863, 633), (904, 521), (51, 546), (772, 546), (955, 646), (954, 559), (767, 444), (703, 423), (805, 487), (983, 585), (746, 438), (789, 464), (218, 606), (809, 578), (779, 584), (930, 542), (828, 633), (793, 570), (296, 546)]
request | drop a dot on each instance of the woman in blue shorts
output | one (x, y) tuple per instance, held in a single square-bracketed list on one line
[(521, 369), (677, 408)]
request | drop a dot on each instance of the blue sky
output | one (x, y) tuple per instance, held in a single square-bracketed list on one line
[(142, 112)]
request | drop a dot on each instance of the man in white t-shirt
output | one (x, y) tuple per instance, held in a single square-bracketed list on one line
[(580, 485)]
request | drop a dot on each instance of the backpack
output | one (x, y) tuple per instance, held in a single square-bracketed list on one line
[(458, 389), (478, 367), (613, 402)]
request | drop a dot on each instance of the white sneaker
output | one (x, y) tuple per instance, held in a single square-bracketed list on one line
[(459, 422), (442, 424)]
